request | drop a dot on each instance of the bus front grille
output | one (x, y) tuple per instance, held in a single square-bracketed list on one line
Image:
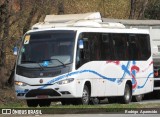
[(39, 92)]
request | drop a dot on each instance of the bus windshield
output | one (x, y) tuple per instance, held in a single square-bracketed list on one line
[(47, 49)]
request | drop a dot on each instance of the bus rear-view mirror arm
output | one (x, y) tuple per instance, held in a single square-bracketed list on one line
[(15, 48)]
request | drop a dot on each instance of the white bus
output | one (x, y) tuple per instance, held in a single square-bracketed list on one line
[(82, 64)]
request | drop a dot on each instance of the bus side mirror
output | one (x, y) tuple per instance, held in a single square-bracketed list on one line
[(15, 50), (81, 44)]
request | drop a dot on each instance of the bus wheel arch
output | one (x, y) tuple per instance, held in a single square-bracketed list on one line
[(88, 84), (86, 93), (92, 100), (127, 97)]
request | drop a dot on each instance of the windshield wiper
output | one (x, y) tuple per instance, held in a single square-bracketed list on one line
[(35, 62), (55, 59)]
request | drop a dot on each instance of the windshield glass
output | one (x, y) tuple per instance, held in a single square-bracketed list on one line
[(47, 49)]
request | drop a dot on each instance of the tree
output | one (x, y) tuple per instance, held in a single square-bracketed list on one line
[(4, 29), (143, 6), (132, 9), (60, 7), (29, 19), (153, 10), (137, 9)]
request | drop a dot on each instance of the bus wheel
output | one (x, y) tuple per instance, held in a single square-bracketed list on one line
[(32, 103), (138, 98), (85, 96), (94, 101), (44, 103), (127, 95)]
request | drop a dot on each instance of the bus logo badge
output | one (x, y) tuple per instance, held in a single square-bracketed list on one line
[(45, 63), (40, 81), (41, 74)]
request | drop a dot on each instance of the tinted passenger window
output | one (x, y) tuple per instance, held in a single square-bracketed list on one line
[(120, 46), (133, 48), (105, 47), (115, 46), (144, 46)]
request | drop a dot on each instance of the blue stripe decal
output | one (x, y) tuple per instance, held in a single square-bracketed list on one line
[(139, 87), (104, 77), (78, 72), (125, 69)]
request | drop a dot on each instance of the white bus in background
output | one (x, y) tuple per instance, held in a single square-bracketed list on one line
[(83, 60)]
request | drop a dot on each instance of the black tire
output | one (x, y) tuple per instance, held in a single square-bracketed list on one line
[(138, 98), (94, 101), (44, 103), (127, 95), (32, 103), (65, 102), (156, 94), (85, 96), (112, 99)]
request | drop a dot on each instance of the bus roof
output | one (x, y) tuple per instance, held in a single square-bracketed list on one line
[(76, 20), (89, 29), (86, 22)]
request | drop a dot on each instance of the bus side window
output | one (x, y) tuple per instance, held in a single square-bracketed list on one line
[(119, 45), (105, 47), (86, 50), (145, 49), (82, 55), (133, 48), (94, 47)]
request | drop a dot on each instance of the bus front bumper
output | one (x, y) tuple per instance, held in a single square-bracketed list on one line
[(54, 91)]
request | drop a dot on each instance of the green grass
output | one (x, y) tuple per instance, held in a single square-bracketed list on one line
[(98, 106), (22, 104), (13, 105), (157, 105)]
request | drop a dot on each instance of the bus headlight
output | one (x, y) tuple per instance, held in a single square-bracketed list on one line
[(20, 83), (65, 81)]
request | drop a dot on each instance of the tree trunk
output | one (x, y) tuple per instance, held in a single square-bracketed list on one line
[(38, 18), (141, 13), (5, 29), (29, 19), (61, 7), (133, 9)]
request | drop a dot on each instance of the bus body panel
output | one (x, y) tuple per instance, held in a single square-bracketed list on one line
[(107, 78)]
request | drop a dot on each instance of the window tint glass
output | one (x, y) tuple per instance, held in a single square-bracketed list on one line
[(106, 47), (115, 46), (120, 46), (133, 47), (144, 46)]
